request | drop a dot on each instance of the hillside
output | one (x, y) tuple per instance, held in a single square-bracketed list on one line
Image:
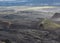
[(50, 25), (29, 25)]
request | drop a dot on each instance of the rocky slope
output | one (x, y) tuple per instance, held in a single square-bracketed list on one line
[(23, 34), (28, 26)]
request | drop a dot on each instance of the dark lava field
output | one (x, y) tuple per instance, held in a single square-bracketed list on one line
[(29, 25)]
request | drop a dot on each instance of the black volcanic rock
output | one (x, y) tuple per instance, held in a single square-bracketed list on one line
[(29, 35), (13, 16), (22, 33), (56, 15)]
